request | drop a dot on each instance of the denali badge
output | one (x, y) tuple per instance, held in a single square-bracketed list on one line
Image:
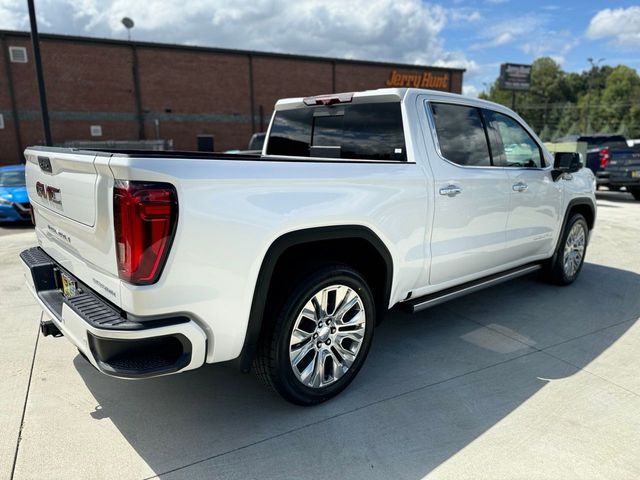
[(49, 193)]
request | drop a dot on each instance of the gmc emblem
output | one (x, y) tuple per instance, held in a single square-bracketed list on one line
[(45, 164), (48, 192)]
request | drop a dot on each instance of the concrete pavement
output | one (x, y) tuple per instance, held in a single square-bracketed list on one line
[(524, 380)]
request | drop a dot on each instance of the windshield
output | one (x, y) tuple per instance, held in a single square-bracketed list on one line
[(12, 179)]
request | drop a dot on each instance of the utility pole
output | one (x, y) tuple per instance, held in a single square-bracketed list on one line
[(594, 67), (44, 110)]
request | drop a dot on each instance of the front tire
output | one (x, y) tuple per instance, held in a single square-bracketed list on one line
[(635, 191), (563, 268), (316, 343)]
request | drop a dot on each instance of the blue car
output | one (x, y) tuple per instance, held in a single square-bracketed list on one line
[(14, 201)]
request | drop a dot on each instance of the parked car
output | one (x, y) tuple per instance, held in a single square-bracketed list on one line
[(256, 142), (153, 263), (622, 170), (599, 151), (14, 201)]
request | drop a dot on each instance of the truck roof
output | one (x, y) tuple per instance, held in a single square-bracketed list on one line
[(389, 95)]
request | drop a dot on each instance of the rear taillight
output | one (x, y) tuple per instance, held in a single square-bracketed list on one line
[(604, 157), (145, 218)]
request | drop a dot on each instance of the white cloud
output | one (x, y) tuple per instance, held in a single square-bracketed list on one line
[(12, 16), (501, 39), (508, 31), (464, 15), (622, 25), (407, 31), (470, 90), (553, 44)]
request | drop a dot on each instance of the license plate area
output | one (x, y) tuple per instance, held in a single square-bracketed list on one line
[(69, 285)]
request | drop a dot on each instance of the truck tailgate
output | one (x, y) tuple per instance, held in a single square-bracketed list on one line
[(624, 166), (69, 175), (71, 194)]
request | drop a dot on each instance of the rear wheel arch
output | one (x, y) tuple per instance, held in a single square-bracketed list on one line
[(302, 250)]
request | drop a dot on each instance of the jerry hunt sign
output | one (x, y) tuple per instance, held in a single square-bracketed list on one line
[(438, 81)]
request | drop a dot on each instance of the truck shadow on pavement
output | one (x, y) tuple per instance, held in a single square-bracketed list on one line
[(432, 384)]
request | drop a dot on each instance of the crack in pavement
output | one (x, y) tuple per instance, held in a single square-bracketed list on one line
[(26, 399)]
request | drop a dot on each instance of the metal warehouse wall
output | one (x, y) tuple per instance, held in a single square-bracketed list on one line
[(187, 91)]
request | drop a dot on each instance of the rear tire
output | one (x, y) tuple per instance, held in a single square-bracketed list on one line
[(635, 191), (563, 268), (316, 342)]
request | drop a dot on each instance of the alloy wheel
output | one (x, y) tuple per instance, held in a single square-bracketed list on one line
[(574, 249), (327, 336)]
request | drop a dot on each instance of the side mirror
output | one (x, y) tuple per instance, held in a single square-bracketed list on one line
[(565, 162)]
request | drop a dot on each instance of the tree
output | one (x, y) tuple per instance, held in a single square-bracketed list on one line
[(621, 92), (601, 99)]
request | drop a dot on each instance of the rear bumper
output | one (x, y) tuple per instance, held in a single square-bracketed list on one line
[(621, 178), (116, 343), (602, 178), (622, 182)]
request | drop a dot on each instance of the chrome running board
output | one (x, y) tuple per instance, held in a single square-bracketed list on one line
[(421, 303)]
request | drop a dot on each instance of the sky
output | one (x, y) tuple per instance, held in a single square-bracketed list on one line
[(477, 35)]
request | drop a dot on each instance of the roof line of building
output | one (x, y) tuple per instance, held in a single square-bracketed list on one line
[(255, 53)]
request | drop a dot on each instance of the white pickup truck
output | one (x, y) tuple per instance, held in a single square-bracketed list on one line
[(153, 263)]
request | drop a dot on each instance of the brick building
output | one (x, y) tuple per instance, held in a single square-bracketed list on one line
[(117, 90)]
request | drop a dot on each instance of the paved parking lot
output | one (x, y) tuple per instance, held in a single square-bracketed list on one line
[(524, 380)]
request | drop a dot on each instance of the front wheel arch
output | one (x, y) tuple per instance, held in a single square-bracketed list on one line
[(583, 206)]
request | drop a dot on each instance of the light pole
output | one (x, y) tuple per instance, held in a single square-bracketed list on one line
[(44, 110), (594, 65), (128, 24)]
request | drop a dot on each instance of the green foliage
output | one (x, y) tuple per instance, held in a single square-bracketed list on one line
[(600, 100)]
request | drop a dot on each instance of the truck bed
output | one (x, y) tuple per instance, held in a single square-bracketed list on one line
[(195, 155)]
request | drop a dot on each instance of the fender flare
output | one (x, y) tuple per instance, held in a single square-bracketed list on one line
[(270, 260), (574, 202)]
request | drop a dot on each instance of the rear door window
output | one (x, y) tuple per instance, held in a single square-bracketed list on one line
[(368, 131), (461, 134)]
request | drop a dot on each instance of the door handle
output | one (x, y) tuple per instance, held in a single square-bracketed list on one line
[(450, 190), (519, 187)]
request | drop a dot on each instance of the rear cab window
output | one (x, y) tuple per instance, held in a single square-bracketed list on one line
[(461, 135), (358, 131)]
